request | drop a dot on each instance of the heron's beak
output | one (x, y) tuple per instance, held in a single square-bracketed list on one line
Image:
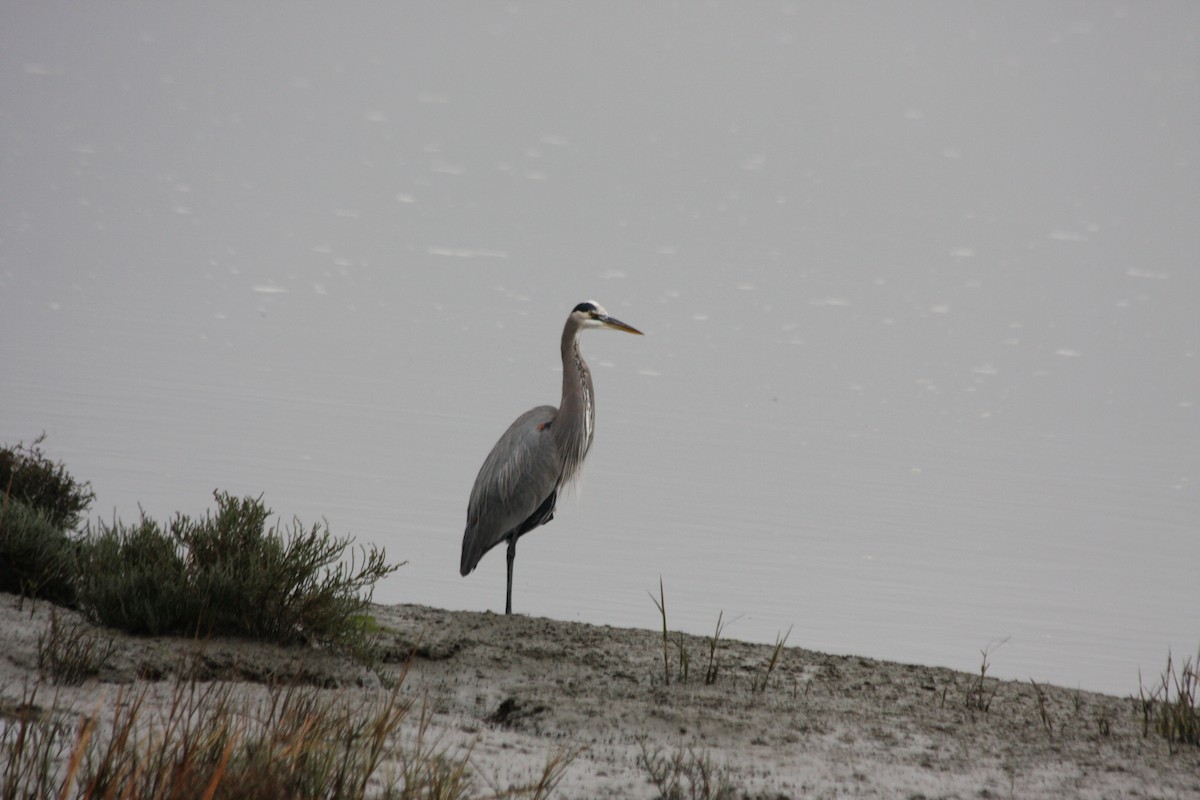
[(616, 324)]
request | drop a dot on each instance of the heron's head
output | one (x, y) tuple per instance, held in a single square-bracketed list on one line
[(592, 315)]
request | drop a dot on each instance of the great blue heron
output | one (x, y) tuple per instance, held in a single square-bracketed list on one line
[(518, 484)]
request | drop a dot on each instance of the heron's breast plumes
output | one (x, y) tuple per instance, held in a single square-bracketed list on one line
[(576, 419)]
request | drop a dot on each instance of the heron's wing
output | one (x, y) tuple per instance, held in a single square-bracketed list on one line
[(518, 476)]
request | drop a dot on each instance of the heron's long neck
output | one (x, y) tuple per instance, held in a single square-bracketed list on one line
[(577, 413)]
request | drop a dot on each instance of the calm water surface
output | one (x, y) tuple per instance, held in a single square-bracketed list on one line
[(919, 288)]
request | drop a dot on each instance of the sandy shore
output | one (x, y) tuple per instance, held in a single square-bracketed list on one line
[(517, 689)]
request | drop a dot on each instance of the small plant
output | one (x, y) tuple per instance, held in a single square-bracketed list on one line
[(1146, 702), (428, 770), (1171, 709), (760, 684), (557, 761), (70, 655), (979, 693), (711, 671), (1043, 712), (661, 604), (683, 658), (684, 775), (679, 643)]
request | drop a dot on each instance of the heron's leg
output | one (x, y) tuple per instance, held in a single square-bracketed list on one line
[(512, 554)]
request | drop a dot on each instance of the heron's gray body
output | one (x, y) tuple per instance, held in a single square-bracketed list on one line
[(517, 487)]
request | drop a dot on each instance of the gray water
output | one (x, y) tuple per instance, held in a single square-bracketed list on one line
[(919, 285)]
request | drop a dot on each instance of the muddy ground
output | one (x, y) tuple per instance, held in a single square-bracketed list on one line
[(517, 690)]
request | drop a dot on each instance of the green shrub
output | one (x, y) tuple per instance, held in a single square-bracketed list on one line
[(134, 578), (225, 574), (228, 574), (26, 474), (37, 559), (39, 503)]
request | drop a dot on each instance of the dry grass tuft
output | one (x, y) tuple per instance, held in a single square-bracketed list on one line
[(70, 655), (685, 775)]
